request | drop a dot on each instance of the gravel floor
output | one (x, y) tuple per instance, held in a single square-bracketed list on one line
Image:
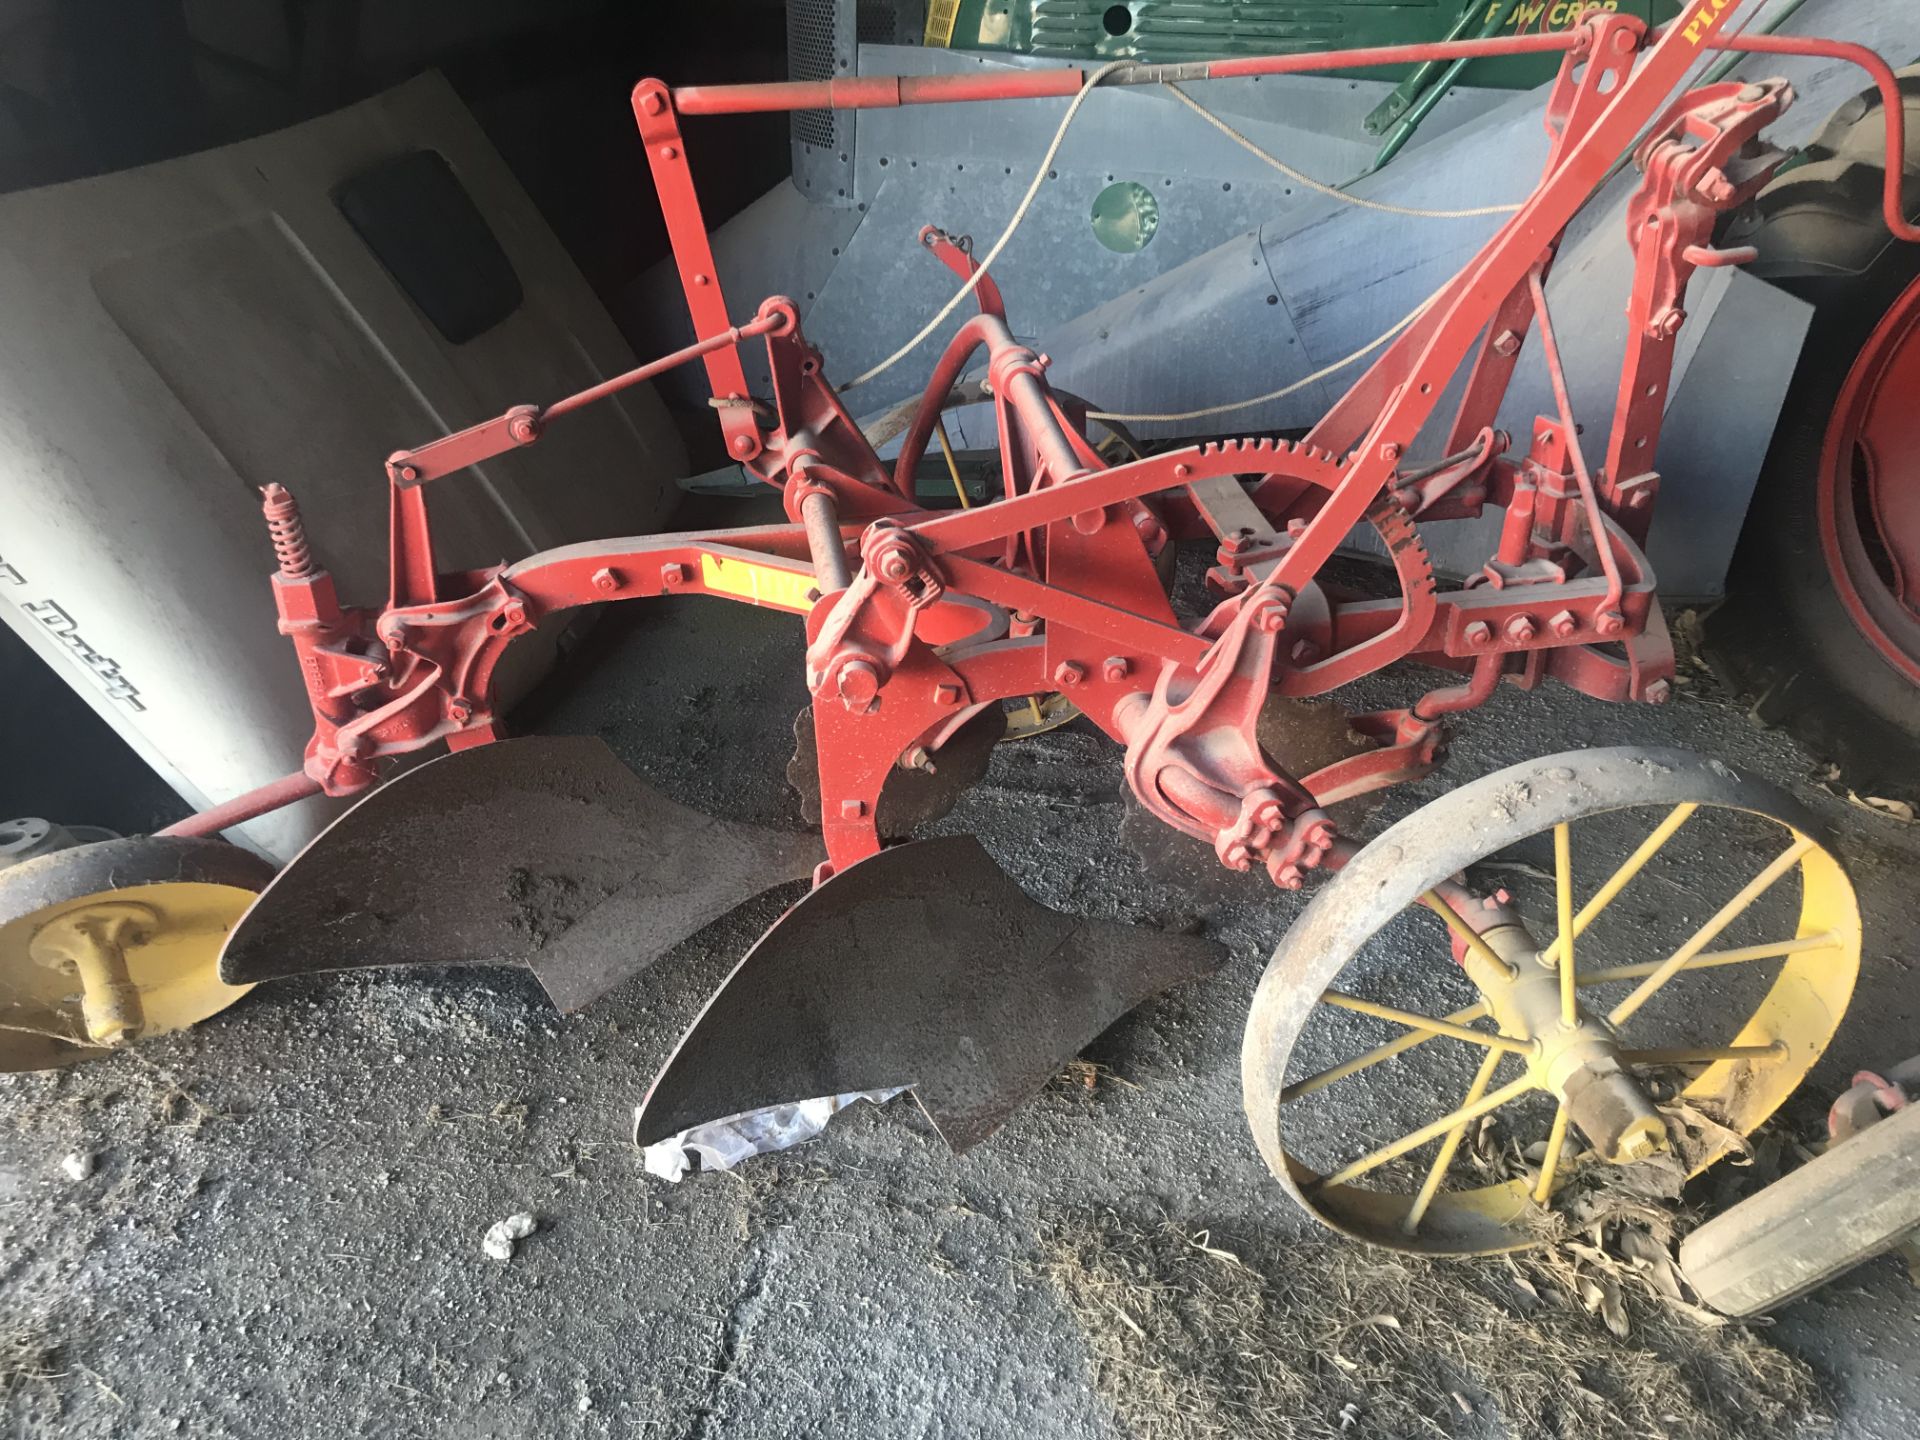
[(281, 1233)]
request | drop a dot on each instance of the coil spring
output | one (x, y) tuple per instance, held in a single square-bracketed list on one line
[(288, 530)]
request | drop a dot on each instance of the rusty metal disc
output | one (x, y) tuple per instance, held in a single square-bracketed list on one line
[(910, 798)]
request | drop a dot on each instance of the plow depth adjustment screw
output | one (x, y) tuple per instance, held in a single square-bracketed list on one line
[(1520, 629), (1478, 633), (1069, 673)]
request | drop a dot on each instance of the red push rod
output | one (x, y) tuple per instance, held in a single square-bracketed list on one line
[(886, 92), (249, 806), (1891, 202)]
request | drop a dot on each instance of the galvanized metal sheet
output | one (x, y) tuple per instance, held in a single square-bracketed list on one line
[(925, 966)]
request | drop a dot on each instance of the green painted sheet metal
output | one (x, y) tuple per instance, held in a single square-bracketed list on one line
[(1200, 29)]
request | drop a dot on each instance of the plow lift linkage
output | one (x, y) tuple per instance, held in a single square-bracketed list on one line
[(919, 622)]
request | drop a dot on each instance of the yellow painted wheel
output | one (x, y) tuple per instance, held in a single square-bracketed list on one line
[(103, 944), (1603, 958), (1036, 714)]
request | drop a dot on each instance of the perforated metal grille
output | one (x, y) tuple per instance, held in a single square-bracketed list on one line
[(810, 57), (877, 22)]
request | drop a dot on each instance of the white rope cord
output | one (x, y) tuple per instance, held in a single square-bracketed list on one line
[(1285, 390), (1040, 174), (1019, 214), (1331, 192)]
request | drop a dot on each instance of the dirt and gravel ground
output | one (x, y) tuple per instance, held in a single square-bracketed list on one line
[(281, 1233)]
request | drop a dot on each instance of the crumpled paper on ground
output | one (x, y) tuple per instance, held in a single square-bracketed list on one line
[(723, 1144)]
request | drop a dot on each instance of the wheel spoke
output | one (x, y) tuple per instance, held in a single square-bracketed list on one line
[(1710, 959), (1449, 1147), (1468, 936), (1413, 1140), (1563, 902), (1550, 1162), (1374, 1056), (1700, 939), (1617, 881), (1428, 1023)]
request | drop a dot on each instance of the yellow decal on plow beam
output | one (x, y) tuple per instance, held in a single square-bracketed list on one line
[(758, 584), (1702, 21)]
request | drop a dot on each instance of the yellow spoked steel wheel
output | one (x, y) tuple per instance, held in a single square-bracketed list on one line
[(1604, 958), (103, 944), (1036, 714)]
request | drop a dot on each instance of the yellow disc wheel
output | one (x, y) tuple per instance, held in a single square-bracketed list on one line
[(105, 943), (1036, 714), (1622, 957)]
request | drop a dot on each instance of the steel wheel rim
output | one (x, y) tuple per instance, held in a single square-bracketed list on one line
[(1868, 498), (1802, 1006)]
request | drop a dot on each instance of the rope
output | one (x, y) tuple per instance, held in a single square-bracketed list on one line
[(1331, 192), (1019, 214), (1285, 390), (1040, 173)]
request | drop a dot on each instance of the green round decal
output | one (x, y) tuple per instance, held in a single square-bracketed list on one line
[(1125, 216)]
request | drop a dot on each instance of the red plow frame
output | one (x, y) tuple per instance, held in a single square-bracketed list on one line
[(918, 619)]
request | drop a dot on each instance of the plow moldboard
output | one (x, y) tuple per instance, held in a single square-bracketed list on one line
[(545, 852)]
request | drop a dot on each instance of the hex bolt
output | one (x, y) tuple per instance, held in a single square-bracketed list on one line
[(1116, 668), (1478, 633), (1564, 624), (1659, 692), (1269, 816), (673, 575), (1390, 452), (606, 579), (1506, 343), (915, 757), (1288, 877), (1321, 836), (852, 809), (1639, 499), (1296, 527), (1271, 618), (944, 694), (1305, 652), (1237, 856), (1610, 623), (513, 615), (1069, 673), (895, 567), (459, 710), (1520, 629)]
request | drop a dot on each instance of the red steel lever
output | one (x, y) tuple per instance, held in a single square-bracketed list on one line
[(524, 424)]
